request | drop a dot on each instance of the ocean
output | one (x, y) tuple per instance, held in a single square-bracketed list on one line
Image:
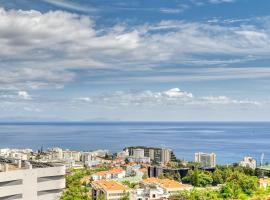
[(231, 141)]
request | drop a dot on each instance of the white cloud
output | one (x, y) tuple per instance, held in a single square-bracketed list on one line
[(172, 97), (70, 5), (51, 49), (24, 95)]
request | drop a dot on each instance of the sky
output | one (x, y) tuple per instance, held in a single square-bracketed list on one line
[(135, 60)]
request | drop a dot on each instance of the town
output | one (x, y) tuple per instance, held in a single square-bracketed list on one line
[(136, 173)]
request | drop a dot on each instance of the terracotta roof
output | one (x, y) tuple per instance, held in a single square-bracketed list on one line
[(110, 185), (112, 171), (165, 183), (143, 170), (264, 180)]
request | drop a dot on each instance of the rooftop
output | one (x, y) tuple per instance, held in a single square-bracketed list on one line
[(13, 164), (165, 183), (110, 185), (112, 171)]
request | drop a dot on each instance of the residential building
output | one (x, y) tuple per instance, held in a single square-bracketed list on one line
[(114, 173), (74, 155), (26, 180), (23, 154), (156, 171), (123, 154), (206, 160), (154, 188), (264, 182), (248, 162), (56, 153), (110, 189), (159, 155)]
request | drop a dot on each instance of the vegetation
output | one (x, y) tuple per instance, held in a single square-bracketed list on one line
[(233, 183), (75, 189)]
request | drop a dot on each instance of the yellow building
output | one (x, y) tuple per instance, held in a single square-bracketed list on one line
[(112, 190)]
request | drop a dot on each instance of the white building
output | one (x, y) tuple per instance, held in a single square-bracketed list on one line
[(56, 153), (23, 154), (116, 173), (110, 189), (248, 162), (154, 189), (23, 180), (206, 159)]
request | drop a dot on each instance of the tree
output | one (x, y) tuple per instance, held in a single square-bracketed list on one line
[(217, 177), (126, 160), (198, 178)]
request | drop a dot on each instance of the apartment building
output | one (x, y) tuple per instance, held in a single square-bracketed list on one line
[(110, 189), (206, 160), (248, 162), (154, 189), (159, 155), (25, 180), (115, 173)]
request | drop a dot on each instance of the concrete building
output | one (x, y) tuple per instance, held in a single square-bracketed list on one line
[(248, 162), (159, 155), (110, 189), (74, 155), (264, 182), (23, 154), (56, 153), (156, 171), (115, 173), (154, 189), (206, 160), (23, 180)]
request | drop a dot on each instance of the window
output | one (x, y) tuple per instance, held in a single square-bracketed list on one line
[(10, 183), (12, 197), (50, 178)]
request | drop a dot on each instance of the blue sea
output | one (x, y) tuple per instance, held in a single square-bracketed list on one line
[(230, 141)]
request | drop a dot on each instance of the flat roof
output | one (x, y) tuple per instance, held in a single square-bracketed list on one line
[(13, 163)]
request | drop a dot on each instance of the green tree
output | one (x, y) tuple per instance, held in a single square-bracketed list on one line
[(198, 178), (217, 177)]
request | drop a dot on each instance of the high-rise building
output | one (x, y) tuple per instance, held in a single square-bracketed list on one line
[(206, 160), (248, 162), (25, 180), (159, 155)]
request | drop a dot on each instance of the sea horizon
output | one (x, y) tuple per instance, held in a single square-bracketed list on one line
[(231, 141)]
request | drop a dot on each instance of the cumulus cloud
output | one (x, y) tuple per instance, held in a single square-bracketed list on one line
[(24, 95), (51, 49), (172, 97)]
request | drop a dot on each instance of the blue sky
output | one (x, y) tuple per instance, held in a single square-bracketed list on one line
[(177, 60)]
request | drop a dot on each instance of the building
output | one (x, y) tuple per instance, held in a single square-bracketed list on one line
[(74, 155), (56, 153), (22, 154), (154, 188), (158, 155), (114, 173), (110, 189), (26, 180), (206, 160), (156, 171), (248, 162), (264, 182)]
